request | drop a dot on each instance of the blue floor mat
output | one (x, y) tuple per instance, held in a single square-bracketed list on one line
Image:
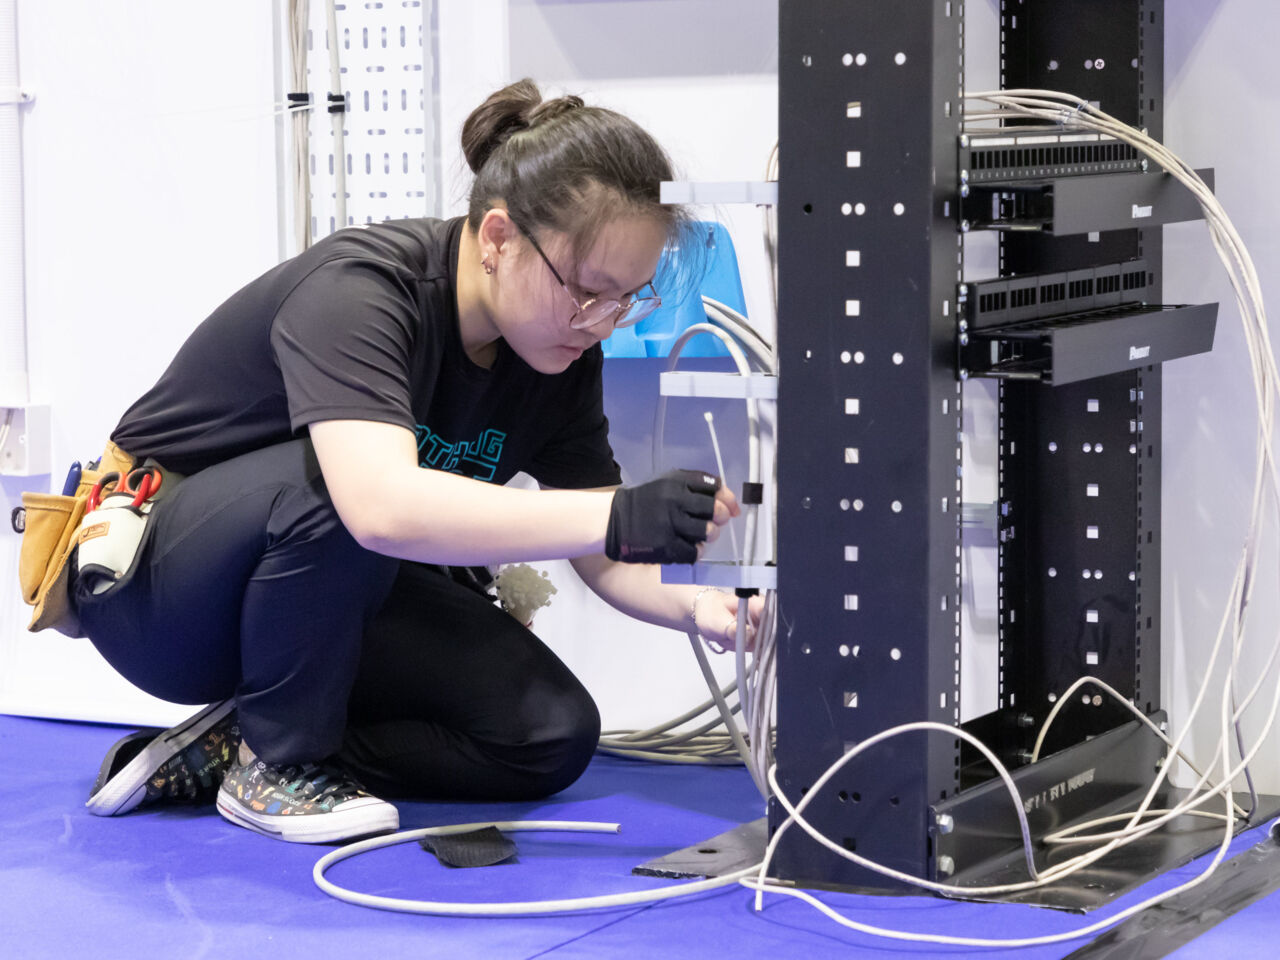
[(182, 882)]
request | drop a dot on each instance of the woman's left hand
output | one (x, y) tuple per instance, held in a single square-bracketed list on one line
[(715, 615)]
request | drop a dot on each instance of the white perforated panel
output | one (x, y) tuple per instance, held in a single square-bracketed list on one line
[(382, 56)]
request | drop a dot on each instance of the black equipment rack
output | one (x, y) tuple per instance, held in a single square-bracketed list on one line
[(879, 187)]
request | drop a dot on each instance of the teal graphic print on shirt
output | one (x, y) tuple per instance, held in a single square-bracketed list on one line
[(475, 458)]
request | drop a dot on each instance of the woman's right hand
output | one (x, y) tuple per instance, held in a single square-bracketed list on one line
[(667, 519)]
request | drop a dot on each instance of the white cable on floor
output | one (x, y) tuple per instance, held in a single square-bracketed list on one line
[(516, 908)]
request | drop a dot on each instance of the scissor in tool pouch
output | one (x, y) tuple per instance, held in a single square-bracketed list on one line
[(115, 518)]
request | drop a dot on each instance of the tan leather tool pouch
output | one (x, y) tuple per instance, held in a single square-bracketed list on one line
[(47, 544)]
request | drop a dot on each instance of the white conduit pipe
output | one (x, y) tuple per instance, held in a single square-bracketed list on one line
[(339, 120), (15, 384)]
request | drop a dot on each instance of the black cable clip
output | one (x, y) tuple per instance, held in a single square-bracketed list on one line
[(298, 101), (752, 494), (337, 103)]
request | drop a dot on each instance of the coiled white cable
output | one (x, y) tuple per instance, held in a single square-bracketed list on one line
[(513, 908)]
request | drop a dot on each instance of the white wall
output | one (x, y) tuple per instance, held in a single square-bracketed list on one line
[(150, 172)]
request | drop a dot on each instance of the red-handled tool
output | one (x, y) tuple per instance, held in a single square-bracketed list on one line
[(141, 484)]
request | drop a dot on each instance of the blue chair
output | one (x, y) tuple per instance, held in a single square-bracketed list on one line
[(654, 336)]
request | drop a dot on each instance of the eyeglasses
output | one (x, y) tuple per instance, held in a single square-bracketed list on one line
[(625, 312)]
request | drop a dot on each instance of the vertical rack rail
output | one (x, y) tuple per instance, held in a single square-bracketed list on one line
[(868, 420)]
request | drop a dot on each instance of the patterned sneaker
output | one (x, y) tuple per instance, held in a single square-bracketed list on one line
[(302, 803), (185, 763)]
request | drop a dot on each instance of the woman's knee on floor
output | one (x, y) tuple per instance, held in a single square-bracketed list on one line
[(548, 741)]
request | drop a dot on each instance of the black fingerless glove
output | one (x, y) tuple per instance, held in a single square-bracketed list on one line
[(661, 521)]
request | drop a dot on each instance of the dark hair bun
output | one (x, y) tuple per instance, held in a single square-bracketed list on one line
[(516, 107), (552, 109)]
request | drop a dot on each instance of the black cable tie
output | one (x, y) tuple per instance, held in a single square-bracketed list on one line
[(298, 100), (742, 592), (752, 493), (337, 103)]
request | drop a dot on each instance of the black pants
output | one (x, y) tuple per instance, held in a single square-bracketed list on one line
[(249, 586)]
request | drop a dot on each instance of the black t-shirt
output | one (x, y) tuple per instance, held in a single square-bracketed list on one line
[(364, 326)]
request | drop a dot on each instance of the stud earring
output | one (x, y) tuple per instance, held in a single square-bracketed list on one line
[(488, 267)]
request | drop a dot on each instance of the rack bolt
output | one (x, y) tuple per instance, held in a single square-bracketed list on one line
[(945, 823), (964, 139), (964, 325), (964, 374), (964, 175), (1026, 720), (946, 866), (964, 190), (964, 289), (1145, 165), (964, 339)]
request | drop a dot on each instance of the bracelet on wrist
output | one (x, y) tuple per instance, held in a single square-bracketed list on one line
[(714, 644)]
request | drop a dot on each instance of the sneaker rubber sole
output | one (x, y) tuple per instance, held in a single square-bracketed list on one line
[(122, 791), (350, 820)]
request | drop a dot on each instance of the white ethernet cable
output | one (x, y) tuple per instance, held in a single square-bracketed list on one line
[(658, 743), (702, 745), (519, 908), (753, 450), (1049, 875), (1060, 107)]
